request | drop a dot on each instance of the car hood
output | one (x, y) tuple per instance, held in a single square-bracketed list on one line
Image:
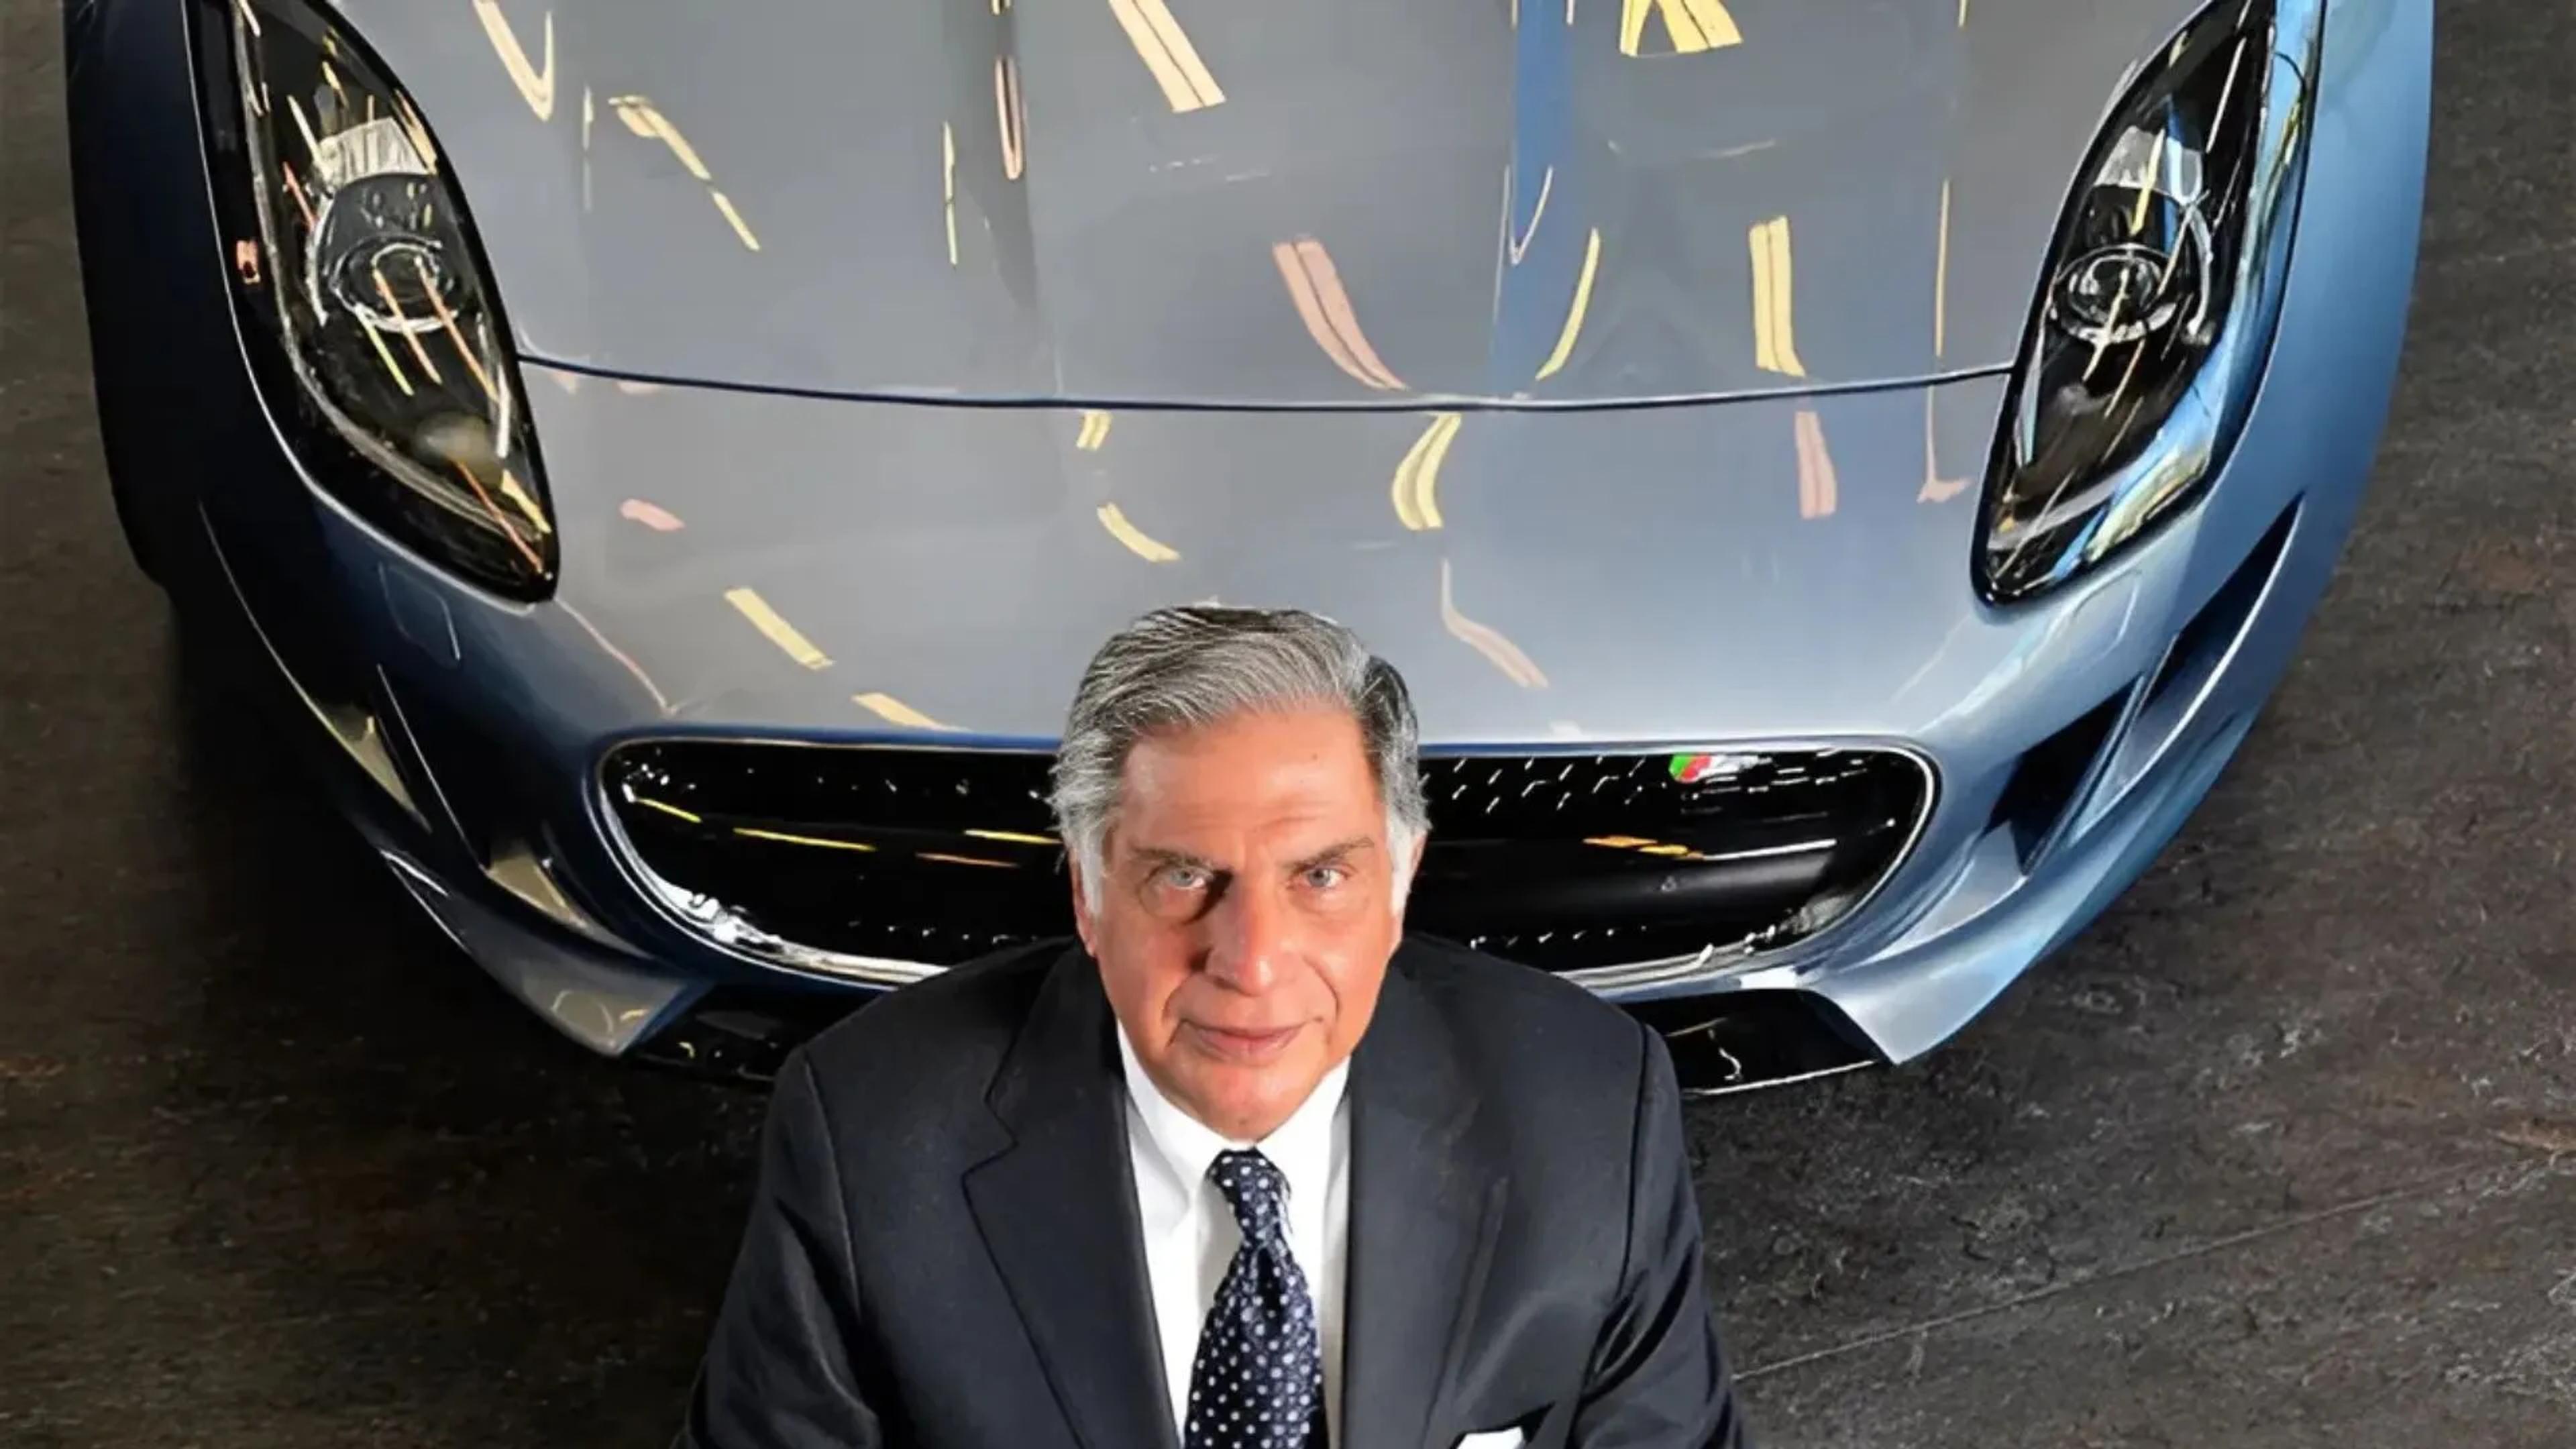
[(1335, 203), (1765, 568)]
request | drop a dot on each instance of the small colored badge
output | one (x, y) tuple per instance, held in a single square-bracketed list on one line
[(1691, 769)]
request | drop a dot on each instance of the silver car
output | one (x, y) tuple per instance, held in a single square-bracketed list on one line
[(1840, 477)]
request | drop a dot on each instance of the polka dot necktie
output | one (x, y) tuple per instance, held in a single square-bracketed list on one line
[(1258, 1381)]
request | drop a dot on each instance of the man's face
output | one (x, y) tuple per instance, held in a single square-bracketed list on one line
[(1247, 911)]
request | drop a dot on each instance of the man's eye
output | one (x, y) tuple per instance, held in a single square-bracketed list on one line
[(1325, 877), (1184, 878)]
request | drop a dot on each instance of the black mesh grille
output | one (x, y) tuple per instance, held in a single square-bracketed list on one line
[(1561, 861), (1596, 860)]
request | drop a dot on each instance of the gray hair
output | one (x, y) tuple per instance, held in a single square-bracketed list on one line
[(1186, 668)]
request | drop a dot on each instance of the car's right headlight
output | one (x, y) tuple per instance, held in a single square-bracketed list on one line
[(2159, 300), (360, 274)]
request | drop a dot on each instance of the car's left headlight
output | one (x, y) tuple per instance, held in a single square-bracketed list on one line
[(365, 281), (2160, 298)]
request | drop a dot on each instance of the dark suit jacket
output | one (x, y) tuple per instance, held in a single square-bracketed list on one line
[(943, 1249)]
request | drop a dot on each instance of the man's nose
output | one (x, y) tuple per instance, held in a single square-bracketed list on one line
[(1248, 937)]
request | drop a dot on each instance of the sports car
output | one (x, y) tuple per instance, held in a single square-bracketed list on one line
[(1840, 478)]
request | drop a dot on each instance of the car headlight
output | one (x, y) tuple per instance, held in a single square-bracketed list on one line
[(2160, 298), (360, 272)]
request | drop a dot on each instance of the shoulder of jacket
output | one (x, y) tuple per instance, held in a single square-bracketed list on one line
[(928, 1034), (1504, 1013)]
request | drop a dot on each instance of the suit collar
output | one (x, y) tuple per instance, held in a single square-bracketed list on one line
[(1057, 1210), (1426, 1200)]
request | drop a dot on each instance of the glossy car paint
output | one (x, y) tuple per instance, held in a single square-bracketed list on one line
[(1110, 248), (1790, 566)]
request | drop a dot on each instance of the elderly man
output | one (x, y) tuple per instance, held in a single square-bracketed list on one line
[(1244, 1167)]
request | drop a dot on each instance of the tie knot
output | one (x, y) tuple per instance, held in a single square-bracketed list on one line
[(1254, 1187)]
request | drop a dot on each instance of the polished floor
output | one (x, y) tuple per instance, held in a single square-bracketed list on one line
[(2282, 1153)]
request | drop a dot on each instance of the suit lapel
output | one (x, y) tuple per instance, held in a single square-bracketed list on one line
[(1425, 1203), (1057, 1210)]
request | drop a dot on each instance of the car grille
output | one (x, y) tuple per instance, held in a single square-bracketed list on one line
[(887, 862)]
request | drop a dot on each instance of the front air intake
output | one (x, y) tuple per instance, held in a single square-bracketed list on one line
[(884, 864), (2045, 779)]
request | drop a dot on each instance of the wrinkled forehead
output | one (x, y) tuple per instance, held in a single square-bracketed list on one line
[(1275, 775)]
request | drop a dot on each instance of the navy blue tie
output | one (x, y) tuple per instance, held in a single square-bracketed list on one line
[(1258, 1381)]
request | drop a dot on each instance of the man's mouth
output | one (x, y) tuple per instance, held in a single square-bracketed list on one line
[(1242, 1046)]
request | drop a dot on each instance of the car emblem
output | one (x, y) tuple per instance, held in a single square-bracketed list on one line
[(1691, 769)]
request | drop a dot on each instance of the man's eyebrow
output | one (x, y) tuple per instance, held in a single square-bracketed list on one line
[(1334, 852), (1159, 856)]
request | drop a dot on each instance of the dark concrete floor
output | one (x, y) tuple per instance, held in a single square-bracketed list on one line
[(2282, 1152)]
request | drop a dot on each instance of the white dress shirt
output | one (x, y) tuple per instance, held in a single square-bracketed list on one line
[(1190, 1232)]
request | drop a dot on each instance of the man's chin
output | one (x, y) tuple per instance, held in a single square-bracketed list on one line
[(1245, 1101)]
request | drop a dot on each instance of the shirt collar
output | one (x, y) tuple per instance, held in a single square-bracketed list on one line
[(1301, 1148)]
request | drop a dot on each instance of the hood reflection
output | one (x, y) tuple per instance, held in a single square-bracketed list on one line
[(1150, 549), (898, 569), (1487, 640), (894, 711), (775, 628), (1816, 492), (646, 120), (1167, 52), (1691, 26), (1444, 214), (536, 84), (1315, 285), (1775, 330), (1417, 504)]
